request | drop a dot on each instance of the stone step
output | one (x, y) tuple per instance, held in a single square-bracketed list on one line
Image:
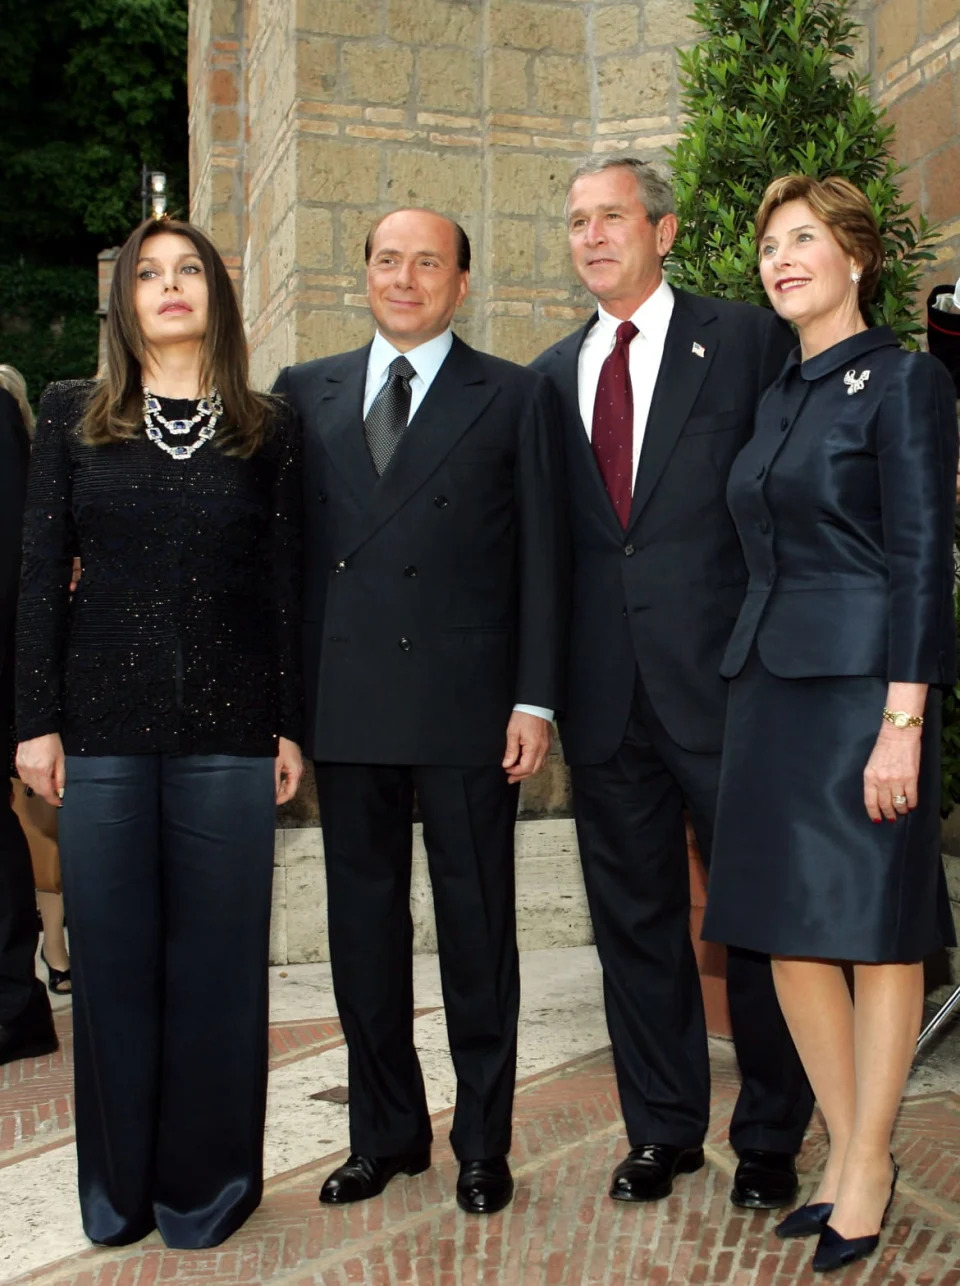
[(551, 904)]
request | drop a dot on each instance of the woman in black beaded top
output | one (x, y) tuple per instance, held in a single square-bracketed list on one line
[(161, 707)]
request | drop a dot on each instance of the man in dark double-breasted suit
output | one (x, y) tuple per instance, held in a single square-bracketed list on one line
[(657, 393), (434, 625)]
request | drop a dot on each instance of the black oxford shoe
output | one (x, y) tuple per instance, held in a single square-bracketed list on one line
[(361, 1177), (484, 1187), (764, 1180), (648, 1172)]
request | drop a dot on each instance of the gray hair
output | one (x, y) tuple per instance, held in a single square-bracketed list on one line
[(653, 189)]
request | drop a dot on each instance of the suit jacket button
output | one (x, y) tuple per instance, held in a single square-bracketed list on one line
[(404, 645), (441, 502), (340, 567), (322, 497), (410, 571), (629, 550)]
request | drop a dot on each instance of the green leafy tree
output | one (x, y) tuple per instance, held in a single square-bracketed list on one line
[(90, 90), (771, 90)]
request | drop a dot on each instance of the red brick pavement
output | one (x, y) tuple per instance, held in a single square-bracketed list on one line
[(561, 1230)]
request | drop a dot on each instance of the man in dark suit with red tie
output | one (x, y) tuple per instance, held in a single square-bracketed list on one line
[(657, 393), (434, 623)]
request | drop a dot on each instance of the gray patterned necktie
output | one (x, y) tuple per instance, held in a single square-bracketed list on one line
[(388, 414)]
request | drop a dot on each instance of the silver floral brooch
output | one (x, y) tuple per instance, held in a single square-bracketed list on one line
[(855, 382)]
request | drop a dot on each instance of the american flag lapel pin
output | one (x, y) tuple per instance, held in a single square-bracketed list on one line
[(699, 350)]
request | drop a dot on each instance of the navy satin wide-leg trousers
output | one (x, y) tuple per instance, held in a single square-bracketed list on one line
[(167, 868)]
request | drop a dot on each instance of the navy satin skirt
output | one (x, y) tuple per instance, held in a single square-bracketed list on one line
[(167, 871), (798, 867)]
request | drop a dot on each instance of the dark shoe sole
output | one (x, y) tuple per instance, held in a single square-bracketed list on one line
[(686, 1165)]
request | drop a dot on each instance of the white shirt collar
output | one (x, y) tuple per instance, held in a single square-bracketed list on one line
[(426, 359), (652, 317)]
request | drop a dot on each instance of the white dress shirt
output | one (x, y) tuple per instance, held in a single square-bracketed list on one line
[(646, 352), (426, 359)]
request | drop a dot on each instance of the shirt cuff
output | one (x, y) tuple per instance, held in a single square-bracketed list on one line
[(540, 711)]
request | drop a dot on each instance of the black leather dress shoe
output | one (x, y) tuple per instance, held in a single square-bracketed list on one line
[(484, 1187), (31, 1034), (764, 1180), (361, 1177), (648, 1172)]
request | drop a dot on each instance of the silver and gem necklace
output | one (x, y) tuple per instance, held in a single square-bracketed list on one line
[(208, 413)]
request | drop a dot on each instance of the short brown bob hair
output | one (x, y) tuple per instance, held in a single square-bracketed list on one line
[(844, 209), (115, 409)]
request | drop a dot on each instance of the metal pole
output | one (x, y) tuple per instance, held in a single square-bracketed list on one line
[(938, 1019)]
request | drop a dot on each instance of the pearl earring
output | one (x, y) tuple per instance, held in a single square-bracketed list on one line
[(855, 276)]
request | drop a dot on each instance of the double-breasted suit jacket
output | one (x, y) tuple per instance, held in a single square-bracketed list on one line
[(664, 594), (434, 595), (435, 602)]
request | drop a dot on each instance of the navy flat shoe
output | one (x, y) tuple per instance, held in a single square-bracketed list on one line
[(806, 1220), (834, 1251)]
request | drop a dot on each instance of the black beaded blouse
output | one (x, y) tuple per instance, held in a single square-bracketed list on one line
[(183, 635)]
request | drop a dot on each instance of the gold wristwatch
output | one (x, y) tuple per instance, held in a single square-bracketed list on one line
[(900, 718)]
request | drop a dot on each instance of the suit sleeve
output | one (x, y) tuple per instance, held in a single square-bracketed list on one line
[(543, 554), (917, 459), (49, 543)]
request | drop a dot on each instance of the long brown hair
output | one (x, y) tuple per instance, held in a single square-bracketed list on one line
[(115, 409)]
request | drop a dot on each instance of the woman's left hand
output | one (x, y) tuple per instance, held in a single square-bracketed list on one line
[(892, 770), (288, 769)]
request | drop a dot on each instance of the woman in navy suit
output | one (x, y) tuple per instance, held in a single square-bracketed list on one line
[(827, 850)]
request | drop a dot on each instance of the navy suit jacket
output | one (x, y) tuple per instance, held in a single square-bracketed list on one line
[(664, 594), (435, 596), (844, 502)]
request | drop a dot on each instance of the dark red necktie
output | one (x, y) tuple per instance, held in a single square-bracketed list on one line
[(612, 437)]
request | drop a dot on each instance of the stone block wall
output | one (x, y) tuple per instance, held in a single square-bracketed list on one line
[(916, 65), (476, 107), (309, 118)]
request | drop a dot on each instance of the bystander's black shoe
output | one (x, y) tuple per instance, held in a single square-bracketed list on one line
[(361, 1177), (648, 1172), (31, 1034), (764, 1180), (484, 1187)]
